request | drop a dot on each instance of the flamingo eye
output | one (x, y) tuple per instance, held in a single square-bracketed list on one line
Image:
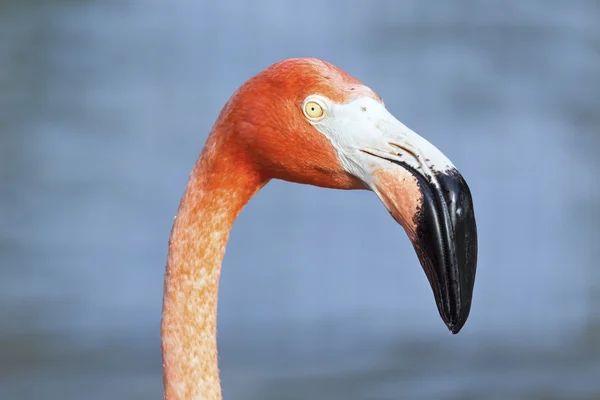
[(313, 110)]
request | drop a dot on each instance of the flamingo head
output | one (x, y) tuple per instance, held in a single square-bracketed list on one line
[(306, 121)]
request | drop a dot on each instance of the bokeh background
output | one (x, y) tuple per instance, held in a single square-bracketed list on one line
[(104, 107)]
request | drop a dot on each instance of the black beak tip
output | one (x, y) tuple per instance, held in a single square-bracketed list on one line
[(456, 326), (454, 329), (454, 321), (447, 246)]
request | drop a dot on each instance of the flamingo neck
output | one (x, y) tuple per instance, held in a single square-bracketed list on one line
[(220, 184)]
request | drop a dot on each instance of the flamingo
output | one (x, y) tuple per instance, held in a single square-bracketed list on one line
[(306, 121)]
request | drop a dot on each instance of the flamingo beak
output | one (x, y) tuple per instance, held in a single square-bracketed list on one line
[(438, 217), (421, 189)]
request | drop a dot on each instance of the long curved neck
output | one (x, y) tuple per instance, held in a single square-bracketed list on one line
[(221, 183)]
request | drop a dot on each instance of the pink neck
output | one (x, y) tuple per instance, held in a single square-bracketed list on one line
[(220, 185)]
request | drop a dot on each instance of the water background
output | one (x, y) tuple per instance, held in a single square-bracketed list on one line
[(104, 107)]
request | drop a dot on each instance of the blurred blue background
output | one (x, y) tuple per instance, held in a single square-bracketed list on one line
[(104, 107)]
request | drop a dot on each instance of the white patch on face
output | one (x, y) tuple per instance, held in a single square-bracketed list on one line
[(365, 125)]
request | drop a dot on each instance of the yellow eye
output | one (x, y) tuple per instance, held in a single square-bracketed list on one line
[(313, 110)]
